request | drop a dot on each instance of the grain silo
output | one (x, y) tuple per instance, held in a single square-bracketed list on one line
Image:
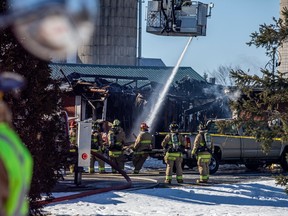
[(114, 41), (283, 68)]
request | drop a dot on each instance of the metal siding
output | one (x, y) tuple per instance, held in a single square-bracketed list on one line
[(117, 29), (283, 68)]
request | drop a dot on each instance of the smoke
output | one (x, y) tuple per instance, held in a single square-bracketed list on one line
[(234, 95), (214, 92), (222, 97), (219, 93)]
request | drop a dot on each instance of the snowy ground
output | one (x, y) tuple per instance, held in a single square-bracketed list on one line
[(252, 198)]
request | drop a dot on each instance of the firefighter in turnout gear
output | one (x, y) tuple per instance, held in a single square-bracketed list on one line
[(73, 141), (116, 141), (73, 134), (16, 162), (173, 145), (97, 146), (203, 149), (142, 145)]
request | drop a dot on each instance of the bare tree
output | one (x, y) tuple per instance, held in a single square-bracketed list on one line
[(222, 75)]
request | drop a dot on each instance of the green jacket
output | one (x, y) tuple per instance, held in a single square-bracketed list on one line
[(18, 163)]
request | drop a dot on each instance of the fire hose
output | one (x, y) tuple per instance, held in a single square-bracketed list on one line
[(96, 191)]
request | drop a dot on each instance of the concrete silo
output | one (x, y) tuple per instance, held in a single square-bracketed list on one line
[(283, 68), (114, 41)]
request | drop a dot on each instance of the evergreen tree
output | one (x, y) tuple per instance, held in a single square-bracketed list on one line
[(264, 102), (35, 113)]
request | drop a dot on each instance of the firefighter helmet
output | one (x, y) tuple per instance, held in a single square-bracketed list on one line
[(208, 124), (173, 127), (73, 124), (202, 127), (96, 126), (116, 123), (144, 126)]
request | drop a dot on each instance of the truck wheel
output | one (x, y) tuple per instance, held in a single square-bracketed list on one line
[(214, 165), (284, 160), (251, 166)]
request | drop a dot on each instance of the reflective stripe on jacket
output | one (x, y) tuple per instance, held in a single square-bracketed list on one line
[(204, 156), (96, 142), (173, 155), (73, 139), (94, 139), (146, 142), (143, 142), (19, 167), (115, 153), (116, 142)]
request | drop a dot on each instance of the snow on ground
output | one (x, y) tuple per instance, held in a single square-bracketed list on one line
[(252, 198)]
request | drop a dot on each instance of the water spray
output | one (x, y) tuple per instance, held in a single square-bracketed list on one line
[(155, 110), (150, 111)]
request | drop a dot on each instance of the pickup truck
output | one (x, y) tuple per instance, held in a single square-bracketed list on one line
[(232, 147)]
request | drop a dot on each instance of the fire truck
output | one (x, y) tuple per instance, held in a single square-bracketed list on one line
[(177, 17)]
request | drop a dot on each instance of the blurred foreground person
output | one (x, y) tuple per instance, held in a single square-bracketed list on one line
[(173, 145), (203, 149), (142, 145), (16, 164)]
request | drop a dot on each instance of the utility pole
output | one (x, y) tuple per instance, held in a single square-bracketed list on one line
[(139, 32)]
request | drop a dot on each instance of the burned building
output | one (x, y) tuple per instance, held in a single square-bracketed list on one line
[(122, 92)]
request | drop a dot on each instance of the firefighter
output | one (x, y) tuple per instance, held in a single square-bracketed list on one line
[(97, 146), (203, 149), (142, 144), (73, 142), (73, 134), (116, 141), (173, 145), (16, 163)]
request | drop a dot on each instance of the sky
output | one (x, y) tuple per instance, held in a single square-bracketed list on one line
[(228, 31), (261, 198)]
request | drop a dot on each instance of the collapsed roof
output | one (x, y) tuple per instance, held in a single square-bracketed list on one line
[(123, 86)]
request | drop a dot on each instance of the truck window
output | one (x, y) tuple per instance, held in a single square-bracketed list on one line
[(231, 130), (223, 127), (213, 129)]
